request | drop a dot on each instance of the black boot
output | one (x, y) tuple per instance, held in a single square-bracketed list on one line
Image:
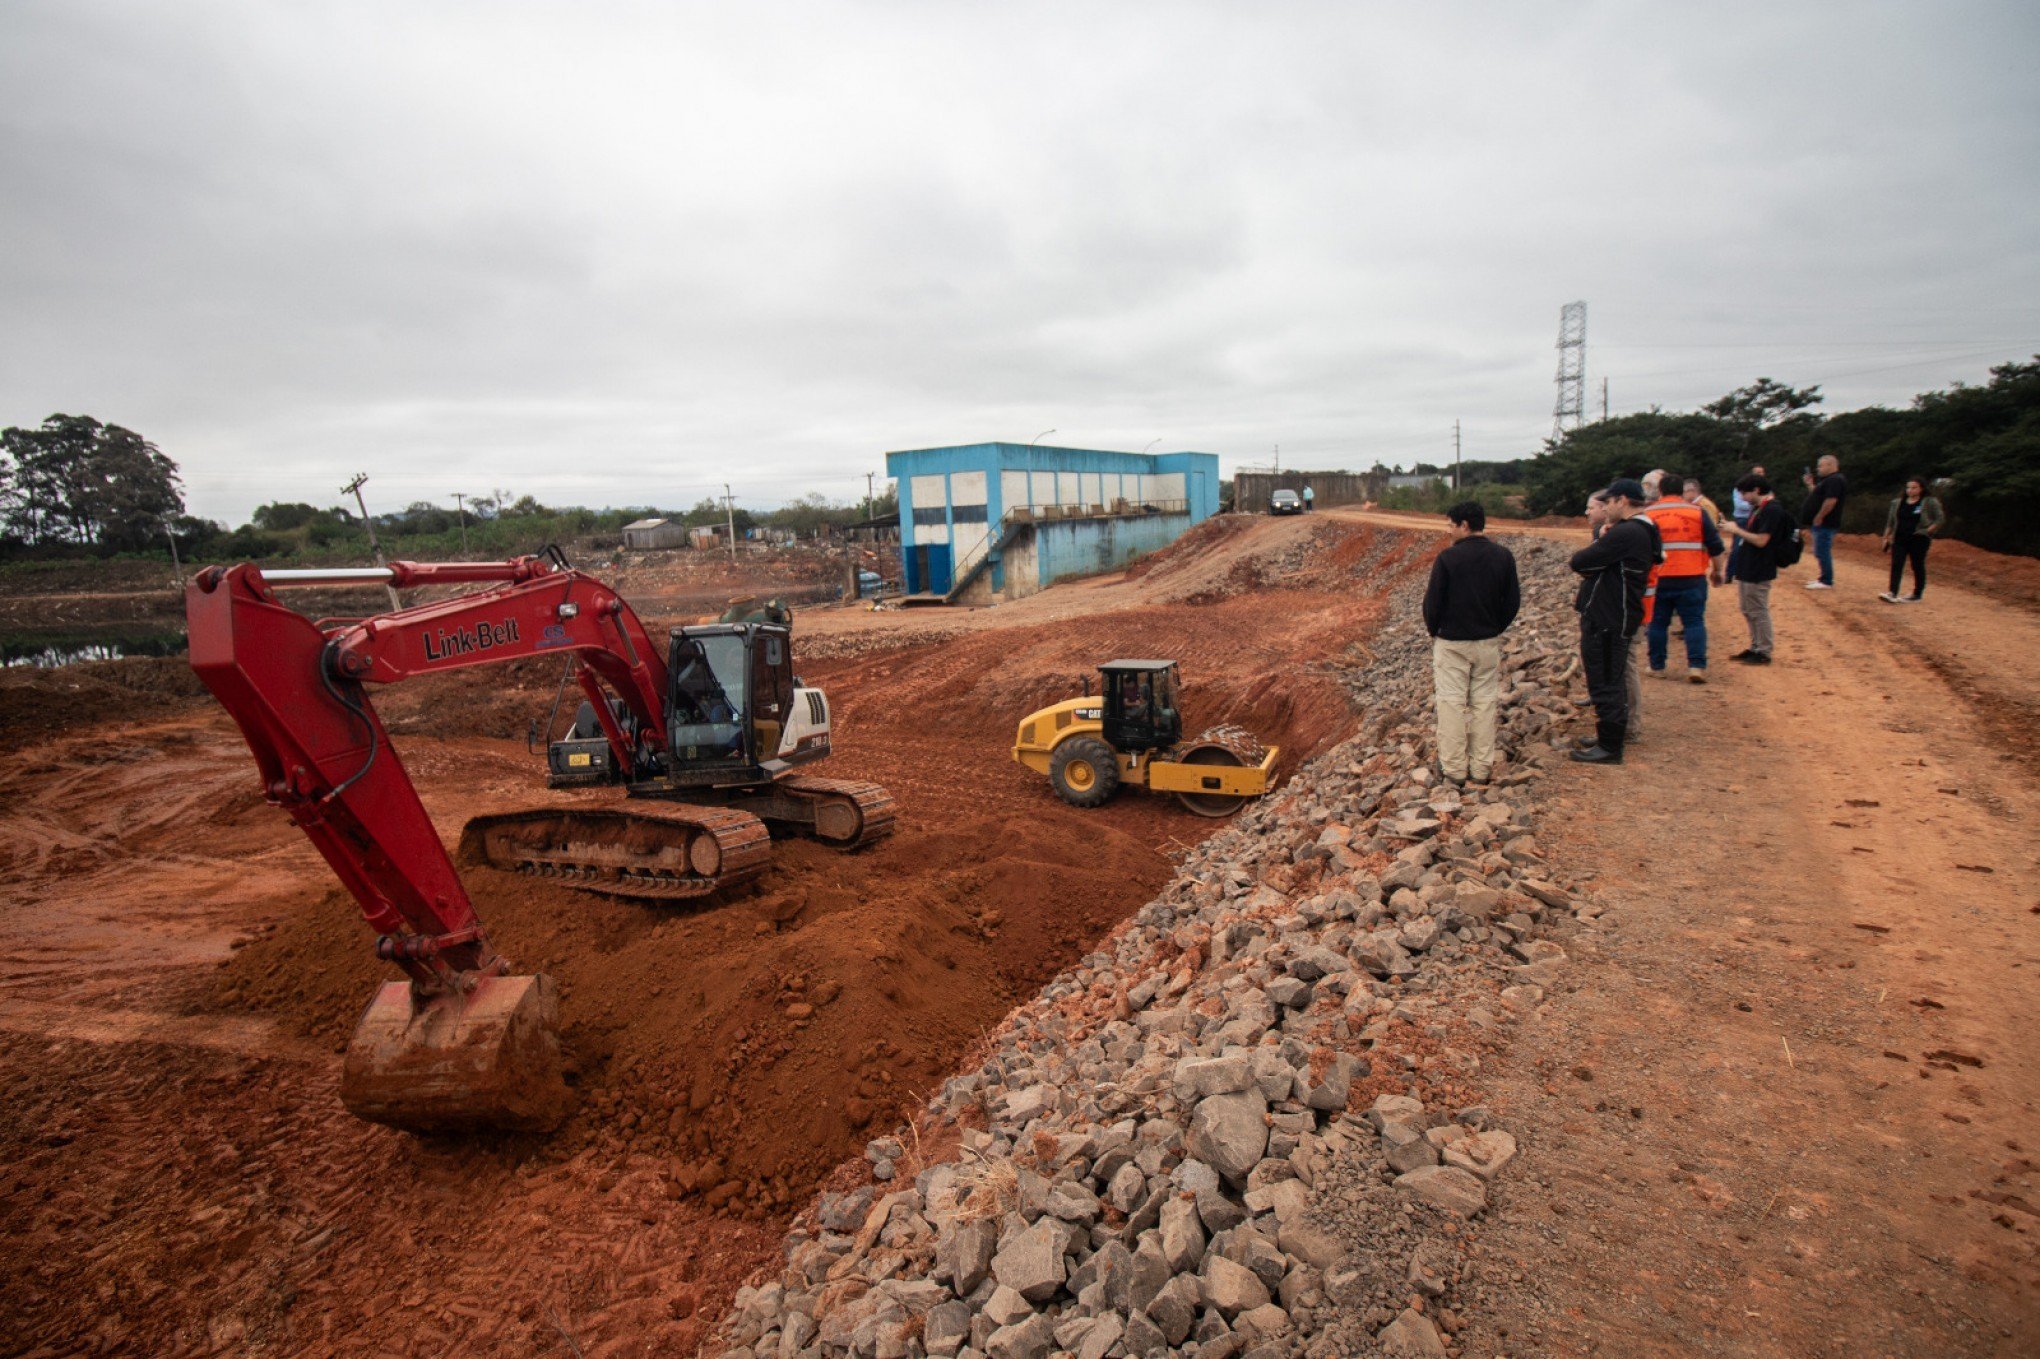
[(1597, 754)]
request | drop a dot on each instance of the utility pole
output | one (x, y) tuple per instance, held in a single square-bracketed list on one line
[(869, 477), (1455, 456), (458, 503), (730, 520), (176, 570), (1278, 460), (1604, 398), (374, 547)]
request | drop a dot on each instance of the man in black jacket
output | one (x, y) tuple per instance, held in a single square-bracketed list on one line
[(1472, 598), (1613, 569)]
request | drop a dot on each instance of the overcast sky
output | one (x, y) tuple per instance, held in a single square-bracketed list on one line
[(615, 254)]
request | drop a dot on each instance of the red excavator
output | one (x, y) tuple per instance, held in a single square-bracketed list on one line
[(705, 735)]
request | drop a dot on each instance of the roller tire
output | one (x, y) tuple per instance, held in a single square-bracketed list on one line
[(1083, 771)]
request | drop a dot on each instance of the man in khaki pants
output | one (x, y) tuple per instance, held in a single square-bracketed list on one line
[(1472, 600)]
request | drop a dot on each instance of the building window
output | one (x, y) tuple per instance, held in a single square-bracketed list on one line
[(968, 514), (930, 514)]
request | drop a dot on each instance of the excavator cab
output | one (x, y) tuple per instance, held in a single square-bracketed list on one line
[(730, 703), (732, 696)]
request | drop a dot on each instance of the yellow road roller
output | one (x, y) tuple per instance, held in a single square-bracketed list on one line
[(1131, 733)]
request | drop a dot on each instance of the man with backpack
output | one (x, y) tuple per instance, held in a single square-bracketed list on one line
[(1769, 542)]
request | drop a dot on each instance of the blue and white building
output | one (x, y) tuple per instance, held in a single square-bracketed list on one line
[(986, 522)]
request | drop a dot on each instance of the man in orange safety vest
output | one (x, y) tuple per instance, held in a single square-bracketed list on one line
[(1693, 552)]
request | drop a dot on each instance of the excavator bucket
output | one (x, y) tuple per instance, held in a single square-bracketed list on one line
[(488, 1057)]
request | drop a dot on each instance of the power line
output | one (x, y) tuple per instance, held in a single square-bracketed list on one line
[(1803, 344)]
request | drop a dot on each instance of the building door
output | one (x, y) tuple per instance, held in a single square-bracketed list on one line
[(934, 561)]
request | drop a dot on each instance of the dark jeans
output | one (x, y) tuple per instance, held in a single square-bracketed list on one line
[(1604, 655), (1689, 602), (1914, 550), (1824, 552)]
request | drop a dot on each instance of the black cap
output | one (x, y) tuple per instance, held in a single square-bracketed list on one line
[(1625, 488)]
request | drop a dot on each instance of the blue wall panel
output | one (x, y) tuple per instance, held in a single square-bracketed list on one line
[(1083, 546)]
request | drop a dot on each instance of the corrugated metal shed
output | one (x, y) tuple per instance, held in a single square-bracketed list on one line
[(649, 534)]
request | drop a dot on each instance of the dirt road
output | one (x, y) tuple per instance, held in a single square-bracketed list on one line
[(1790, 1109)]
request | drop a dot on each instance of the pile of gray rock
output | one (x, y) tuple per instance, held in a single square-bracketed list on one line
[(1248, 1125)]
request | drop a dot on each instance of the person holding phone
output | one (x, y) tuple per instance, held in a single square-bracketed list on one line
[(1821, 514), (1755, 568), (1613, 570)]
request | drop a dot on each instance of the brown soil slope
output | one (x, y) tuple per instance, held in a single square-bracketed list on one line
[(172, 1120)]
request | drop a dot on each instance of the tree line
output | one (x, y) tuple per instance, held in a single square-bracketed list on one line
[(75, 487), (1977, 446), (74, 482)]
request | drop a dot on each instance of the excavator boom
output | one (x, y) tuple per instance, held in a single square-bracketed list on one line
[(461, 1043)]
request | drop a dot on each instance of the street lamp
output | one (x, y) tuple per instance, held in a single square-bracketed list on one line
[(1039, 437), (1151, 443)]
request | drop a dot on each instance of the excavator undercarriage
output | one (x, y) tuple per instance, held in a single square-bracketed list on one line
[(673, 851)]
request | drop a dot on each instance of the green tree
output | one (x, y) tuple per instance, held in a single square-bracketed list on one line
[(810, 513), (1761, 405), (708, 512), (75, 480), (1586, 459), (283, 516)]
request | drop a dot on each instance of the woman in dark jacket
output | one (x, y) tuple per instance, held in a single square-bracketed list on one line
[(1909, 527)]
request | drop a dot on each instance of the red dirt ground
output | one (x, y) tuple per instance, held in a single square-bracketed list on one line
[(180, 971)]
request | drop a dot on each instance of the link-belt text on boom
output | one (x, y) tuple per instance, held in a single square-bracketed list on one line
[(461, 641)]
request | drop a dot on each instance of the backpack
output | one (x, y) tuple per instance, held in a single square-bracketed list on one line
[(1785, 547)]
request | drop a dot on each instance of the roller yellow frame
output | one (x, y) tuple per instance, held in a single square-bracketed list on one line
[(1166, 776)]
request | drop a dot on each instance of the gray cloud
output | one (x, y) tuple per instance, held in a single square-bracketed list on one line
[(620, 253)]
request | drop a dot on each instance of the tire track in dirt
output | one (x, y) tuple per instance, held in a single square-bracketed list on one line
[(727, 1057)]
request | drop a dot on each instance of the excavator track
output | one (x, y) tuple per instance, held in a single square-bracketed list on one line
[(665, 852), (845, 813)]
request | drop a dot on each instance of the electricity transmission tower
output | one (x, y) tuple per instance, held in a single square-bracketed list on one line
[(1572, 369)]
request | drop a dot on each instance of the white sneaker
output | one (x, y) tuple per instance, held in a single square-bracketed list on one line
[(1888, 597), (1818, 585)]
